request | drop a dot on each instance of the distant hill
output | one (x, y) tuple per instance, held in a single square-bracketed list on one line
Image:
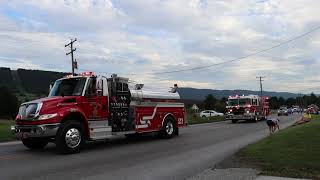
[(35, 82), (28, 84), (200, 94)]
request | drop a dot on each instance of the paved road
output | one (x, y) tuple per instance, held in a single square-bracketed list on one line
[(197, 148)]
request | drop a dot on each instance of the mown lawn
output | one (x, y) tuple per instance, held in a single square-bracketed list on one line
[(293, 152), (5, 134), (193, 119)]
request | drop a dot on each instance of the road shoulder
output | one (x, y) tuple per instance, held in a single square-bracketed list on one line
[(233, 168)]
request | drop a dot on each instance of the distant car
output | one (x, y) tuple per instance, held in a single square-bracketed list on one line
[(209, 113), (283, 111)]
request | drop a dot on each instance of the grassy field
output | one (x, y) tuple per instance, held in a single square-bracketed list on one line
[(5, 134), (293, 152), (193, 119)]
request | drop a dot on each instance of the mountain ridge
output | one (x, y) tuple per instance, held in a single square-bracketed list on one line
[(200, 94), (37, 82)]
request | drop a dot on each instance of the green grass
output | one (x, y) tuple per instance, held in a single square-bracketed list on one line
[(193, 119), (5, 133), (293, 152)]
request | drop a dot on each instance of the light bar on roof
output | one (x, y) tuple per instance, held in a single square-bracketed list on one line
[(87, 74)]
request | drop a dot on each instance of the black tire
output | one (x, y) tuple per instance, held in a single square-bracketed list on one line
[(234, 121), (169, 128), (278, 114), (204, 116), (35, 144), (70, 128)]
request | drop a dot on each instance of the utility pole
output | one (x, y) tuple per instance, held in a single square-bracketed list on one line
[(261, 89), (71, 52)]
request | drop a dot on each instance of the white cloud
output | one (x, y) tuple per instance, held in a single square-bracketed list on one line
[(137, 37)]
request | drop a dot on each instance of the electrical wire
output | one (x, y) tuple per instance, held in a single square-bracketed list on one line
[(236, 59)]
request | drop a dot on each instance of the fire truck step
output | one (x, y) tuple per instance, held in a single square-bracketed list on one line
[(99, 130), (100, 133)]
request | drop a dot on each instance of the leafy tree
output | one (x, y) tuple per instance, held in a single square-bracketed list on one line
[(281, 101), (291, 102), (210, 102), (274, 103), (8, 103)]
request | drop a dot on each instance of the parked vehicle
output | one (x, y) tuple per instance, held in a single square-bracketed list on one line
[(283, 111), (251, 107), (296, 109), (87, 107), (209, 113)]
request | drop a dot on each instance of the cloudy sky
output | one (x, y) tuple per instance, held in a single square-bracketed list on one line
[(139, 39)]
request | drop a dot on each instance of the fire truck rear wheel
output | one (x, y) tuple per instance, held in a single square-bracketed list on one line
[(70, 137), (169, 128), (34, 143)]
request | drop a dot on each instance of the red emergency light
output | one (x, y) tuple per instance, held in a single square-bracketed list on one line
[(87, 74)]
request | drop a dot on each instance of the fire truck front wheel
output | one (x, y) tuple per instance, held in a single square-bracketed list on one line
[(34, 143), (169, 128), (70, 137)]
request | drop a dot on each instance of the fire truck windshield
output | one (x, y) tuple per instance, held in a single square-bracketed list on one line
[(244, 101), (68, 87), (233, 102), (240, 101)]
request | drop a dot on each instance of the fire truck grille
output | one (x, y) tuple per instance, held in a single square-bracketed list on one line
[(238, 111)]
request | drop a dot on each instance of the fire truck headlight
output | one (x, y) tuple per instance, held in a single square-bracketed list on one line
[(248, 111), (47, 116)]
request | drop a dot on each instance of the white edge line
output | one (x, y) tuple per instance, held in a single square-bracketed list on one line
[(10, 143)]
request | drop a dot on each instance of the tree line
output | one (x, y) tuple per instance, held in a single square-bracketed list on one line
[(9, 103), (212, 103), (301, 101)]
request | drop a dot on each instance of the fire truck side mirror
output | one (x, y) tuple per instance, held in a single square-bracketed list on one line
[(50, 86)]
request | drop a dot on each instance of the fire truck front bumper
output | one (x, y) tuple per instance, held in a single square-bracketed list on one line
[(241, 116), (33, 131)]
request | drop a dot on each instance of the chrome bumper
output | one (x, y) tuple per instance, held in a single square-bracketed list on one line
[(242, 116), (26, 131)]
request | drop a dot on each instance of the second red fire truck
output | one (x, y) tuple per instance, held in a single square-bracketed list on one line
[(251, 107), (88, 107)]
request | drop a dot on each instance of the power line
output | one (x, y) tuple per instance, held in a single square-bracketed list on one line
[(239, 58)]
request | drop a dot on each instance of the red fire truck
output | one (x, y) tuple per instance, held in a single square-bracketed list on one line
[(89, 107), (251, 107)]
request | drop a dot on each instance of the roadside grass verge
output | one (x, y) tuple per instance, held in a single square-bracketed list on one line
[(192, 119), (5, 133), (293, 152)]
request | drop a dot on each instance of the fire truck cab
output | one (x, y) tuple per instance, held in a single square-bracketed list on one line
[(89, 107), (251, 107)]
